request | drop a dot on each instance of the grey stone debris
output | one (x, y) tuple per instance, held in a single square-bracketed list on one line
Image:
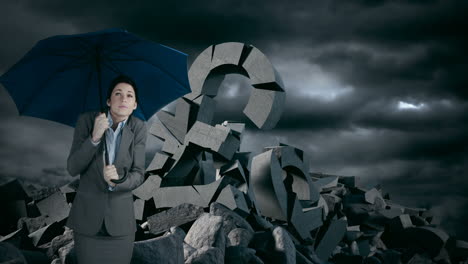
[(147, 189), (32, 223), (165, 249), (167, 197), (176, 216), (210, 192), (267, 184), (230, 219), (171, 144), (304, 220), (239, 237), (175, 230), (10, 254), (233, 199), (265, 107), (160, 164), (284, 245), (240, 254), (66, 253), (55, 207), (138, 208), (46, 234), (235, 170), (331, 238), (206, 174), (58, 242), (216, 139), (179, 123), (207, 230), (206, 255), (188, 251), (326, 182), (184, 168), (427, 238)]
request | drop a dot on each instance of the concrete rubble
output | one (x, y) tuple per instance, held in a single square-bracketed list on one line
[(204, 201)]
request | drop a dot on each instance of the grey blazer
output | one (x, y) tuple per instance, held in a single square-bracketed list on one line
[(93, 202)]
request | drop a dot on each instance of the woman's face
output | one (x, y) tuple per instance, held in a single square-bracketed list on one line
[(122, 101)]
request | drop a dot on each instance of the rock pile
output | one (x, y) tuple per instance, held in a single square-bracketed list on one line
[(204, 201)]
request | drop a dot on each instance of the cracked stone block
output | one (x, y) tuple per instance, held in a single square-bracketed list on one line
[(265, 107), (237, 128), (170, 142), (146, 190), (430, 239), (233, 199), (46, 234), (260, 69), (240, 254), (198, 73), (239, 237), (138, 208), (306, 219), (165, 249), (161, 163), (179, 123), (55, 207), (176, 216), (206, 174), (206, 104), (349, 181), (177, 195), (207, 230), (326, 182), (390, 213), (227, 53), (330, 239), (218, 140), (206, 255), (231, 220), (184, 169), (210, 192), (266, 180), (234, 169)]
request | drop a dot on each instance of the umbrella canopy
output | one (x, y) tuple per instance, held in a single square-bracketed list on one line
[(63, 76)]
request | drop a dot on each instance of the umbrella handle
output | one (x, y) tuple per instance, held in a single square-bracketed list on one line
[(117, 181)]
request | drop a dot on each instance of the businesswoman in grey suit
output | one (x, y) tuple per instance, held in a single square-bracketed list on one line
[(102, 215)]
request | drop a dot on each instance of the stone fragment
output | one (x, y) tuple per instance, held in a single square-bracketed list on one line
[(66, 253), (55, 207), (206, 255), (239, 237), (216, 139), (148, 188), (32, 224), (266, 180), (176, 216), (265, 106), (240, 254), (210, 192), (188, 251), (46, 234), (207, 230), (230, 219), (58, 242), (138, 208), (170, 142), (165, 249), (335, 232), (176, 195), (284, 245), (233, 199)]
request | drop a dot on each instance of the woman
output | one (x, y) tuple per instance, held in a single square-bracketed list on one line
[(102, 215)]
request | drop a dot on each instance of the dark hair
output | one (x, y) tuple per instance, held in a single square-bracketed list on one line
[(122, 79)]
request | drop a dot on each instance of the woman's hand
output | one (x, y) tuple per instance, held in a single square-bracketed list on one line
[(101, 124), (110, 172)]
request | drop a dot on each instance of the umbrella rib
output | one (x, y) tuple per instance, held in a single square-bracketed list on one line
[(156, 66), (62, 69)]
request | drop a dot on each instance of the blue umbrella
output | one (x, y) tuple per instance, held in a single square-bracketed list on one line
[(63, 76)]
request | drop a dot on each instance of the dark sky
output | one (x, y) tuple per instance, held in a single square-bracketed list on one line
[(376, 89)]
